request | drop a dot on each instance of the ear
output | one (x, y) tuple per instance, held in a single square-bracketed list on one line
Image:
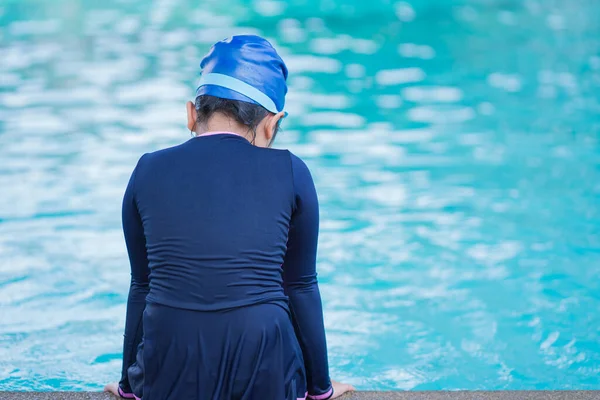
[(271, 125), (192, 117)]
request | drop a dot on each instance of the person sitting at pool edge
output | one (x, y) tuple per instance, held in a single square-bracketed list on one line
[(221, 233)]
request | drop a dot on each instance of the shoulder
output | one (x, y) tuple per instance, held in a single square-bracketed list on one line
[(299, 168), (290, 161), (165, 153), (159, 156), (304, 186), (151, 164)]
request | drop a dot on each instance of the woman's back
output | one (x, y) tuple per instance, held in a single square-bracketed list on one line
[(216, 213), (222, 238)]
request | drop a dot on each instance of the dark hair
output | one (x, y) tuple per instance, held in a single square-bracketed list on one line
[(247, 114)]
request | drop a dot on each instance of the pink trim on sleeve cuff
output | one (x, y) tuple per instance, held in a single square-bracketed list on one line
[(323, 396), (126, 395)]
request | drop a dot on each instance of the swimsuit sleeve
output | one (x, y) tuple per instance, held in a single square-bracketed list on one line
[(136, 302), (300, 282)]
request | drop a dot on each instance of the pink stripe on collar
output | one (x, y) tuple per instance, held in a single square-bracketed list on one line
[(212, 133)]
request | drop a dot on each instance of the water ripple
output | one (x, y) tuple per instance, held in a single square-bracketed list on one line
[(454, 148)]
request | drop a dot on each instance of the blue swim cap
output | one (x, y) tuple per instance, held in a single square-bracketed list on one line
[(245, 68)]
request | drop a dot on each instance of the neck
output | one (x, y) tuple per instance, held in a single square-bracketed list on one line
[(222, 123)]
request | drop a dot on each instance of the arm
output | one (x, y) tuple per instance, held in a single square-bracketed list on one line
[(300, 282), (138, 258)]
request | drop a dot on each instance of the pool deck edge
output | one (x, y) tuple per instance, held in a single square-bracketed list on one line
[(459, 395)]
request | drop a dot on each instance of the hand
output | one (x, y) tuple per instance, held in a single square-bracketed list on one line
[(340, 389), (114, 389)]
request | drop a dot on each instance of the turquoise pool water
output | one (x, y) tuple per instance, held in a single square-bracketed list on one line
[(455, 146)]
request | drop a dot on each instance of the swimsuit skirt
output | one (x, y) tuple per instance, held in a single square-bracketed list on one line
[(246, 353)]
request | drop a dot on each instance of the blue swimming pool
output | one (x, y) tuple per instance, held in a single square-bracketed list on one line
[(454, 144)]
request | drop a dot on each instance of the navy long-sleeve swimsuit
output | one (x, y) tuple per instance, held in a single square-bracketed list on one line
[(224, 302)]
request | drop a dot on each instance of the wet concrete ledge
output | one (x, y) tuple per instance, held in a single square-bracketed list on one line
[(499, 395)]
